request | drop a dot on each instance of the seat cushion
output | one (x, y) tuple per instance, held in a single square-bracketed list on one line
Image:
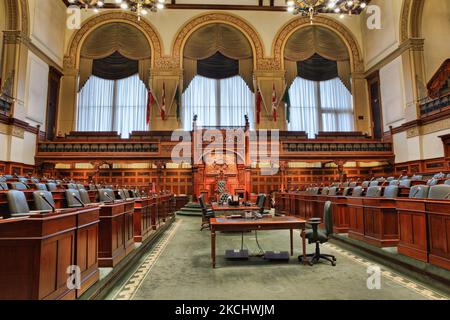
[(373, 192), (419, 192), (439, 192), (17, 202), (391, 192)]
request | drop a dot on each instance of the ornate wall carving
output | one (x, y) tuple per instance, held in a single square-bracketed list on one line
[(297, 23), (71, 60), (215, 17)]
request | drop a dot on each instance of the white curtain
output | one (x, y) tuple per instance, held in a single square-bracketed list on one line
[(336, 106), (218, 102), (108, 105), (131, 106), (95, 105), (304, 107), (320, 106)]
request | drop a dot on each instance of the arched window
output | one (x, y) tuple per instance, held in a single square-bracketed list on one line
[(218, 103), (113, 105)]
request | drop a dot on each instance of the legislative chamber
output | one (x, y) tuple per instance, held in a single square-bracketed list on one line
[(224, 150)]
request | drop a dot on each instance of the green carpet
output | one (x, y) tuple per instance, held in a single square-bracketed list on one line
[(180, 269)]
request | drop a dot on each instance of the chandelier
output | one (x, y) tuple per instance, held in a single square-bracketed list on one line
[(311, 8), (140, 7)]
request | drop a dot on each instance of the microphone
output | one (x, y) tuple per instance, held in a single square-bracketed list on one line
[(108, 196), (78, 200), (417, 191), (1, 186), (447, 197), (48, 202)]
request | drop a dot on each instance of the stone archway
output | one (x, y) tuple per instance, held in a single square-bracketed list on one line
[(298, 23), (71, 60), (17, 13), (410, 19), (225, 18)]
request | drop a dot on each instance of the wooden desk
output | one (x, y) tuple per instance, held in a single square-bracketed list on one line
[(229, 210), (243, 225), (35, 254), (116, 232), (142, 219), (439, 232), (58, 196), (380, 222)]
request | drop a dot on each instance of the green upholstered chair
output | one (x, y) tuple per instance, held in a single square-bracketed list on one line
[(124, 194), (80, 187), (19, 186), (365, 184), (416, 177), (439, 175), (261, 200), (17, 203), (405, 183), (4, 186), (84, 196), (346, 192), (448, 176), (207, 214), (106, 195), (40, 186), (51, 186), (394, 182), (8, 177), (432, 182), (346, 184), (439, 192), (353, 184), (318, 237), (71, 198), (2, 179), (325, 191), (447, 182), (333, 191), (391, 192), (373, 192), (419, 192), (389, 179), (374, 184), (315, 191), (42, 205), (23, 180), (71, 186), (357, 191)]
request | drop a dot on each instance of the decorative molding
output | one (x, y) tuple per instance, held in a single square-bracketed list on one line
[(16, 127), (71, 59), (216, 17), (341, 30), (426, 125), (411, 19)]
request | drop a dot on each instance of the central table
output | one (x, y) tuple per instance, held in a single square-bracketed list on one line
[(223, 210), (244, 225)]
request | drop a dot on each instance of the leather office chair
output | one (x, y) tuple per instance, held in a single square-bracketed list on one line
[(40, 186), (439, 176), (357, 192), (123, 194), (2, 179), (106, 195), (8, 177), (333, 191), (319, 237), (72, 202), (353, 184), (447, 182), (346, 192), (80, 187), (325, 191), (315, 191), (394, 183), (404, 178), (51, 186), (405, 183), (92, 187), (346, 184), (18, 186), (207, 214), (448, 176), (419, 192), (35, 180), (439, 192), (4, 186), (72, 186), (391, 192), (389, 179), (374, 184), (17, 203), (84, 196), (416, 177), (260, 203), (432, 182), (40, 204), (365, 184), (373, 192), (23, 180)]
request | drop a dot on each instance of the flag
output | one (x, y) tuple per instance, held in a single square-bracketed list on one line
[(163, 104), (150, 102), (178, 101), (274, 103), (258, 106), (287, 103)]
